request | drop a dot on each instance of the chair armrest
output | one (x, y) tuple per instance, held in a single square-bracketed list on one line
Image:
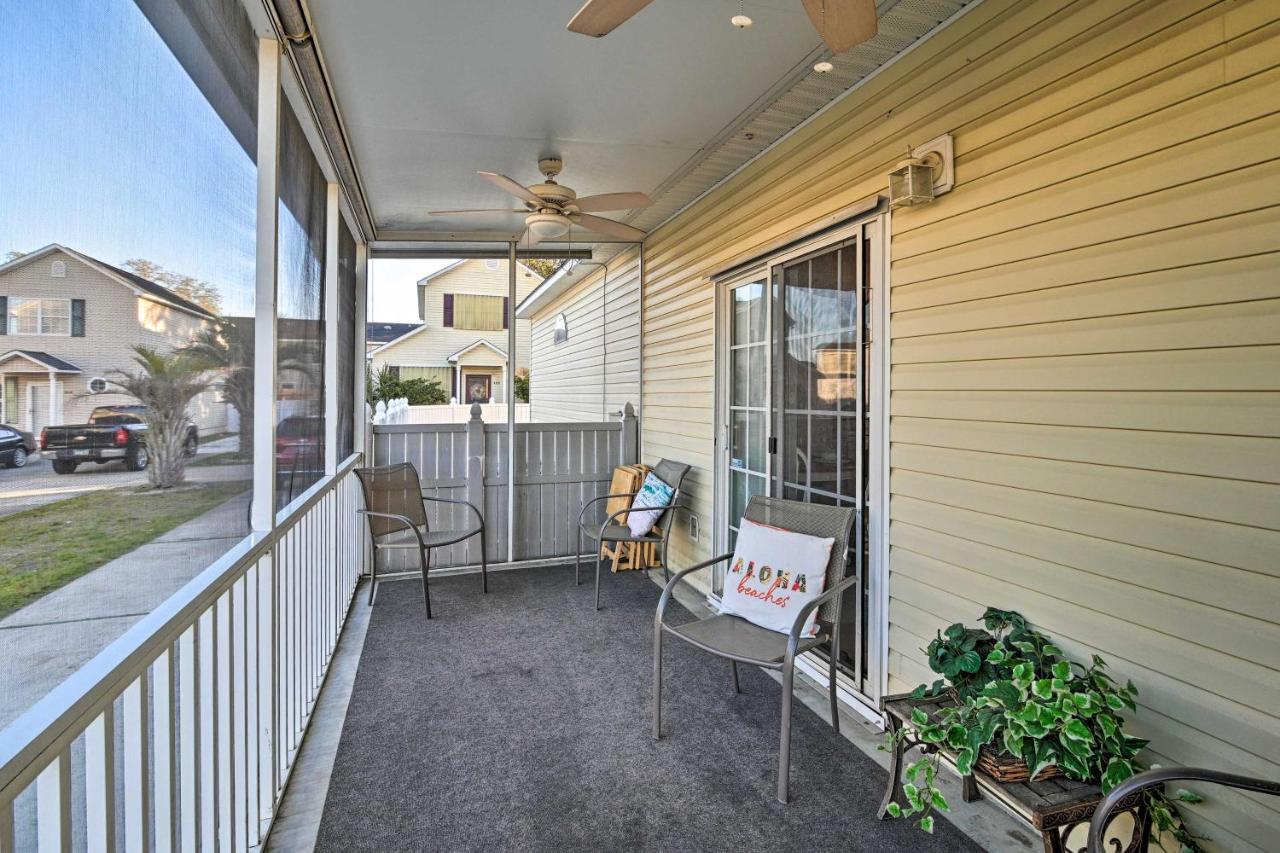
[(668, 590), (408, 522), (588, 503), (793, 637), (468, 504)]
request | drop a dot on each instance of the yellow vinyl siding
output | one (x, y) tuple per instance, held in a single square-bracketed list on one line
[(1085, 397), (597, 370)]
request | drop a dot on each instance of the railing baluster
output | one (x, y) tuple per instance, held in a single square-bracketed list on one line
[(239, 737), (251, 605), (164, 753), (226, 735), (208, 643), (189, 739), (268, 692), (100, 782), (137, 791), (53, 805)]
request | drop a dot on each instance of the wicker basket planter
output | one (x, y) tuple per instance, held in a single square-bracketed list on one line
[(1004, 768)]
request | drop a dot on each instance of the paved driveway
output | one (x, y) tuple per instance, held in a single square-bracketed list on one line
[(36, 484)]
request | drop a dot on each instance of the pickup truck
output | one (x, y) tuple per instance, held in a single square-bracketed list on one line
[(112, 433)]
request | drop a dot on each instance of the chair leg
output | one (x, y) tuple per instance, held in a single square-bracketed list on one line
[(425, 555), (373, 576), (737, 688), (784, 744), (598, 561), (484, 563), (577, 558), (657, 682), (831, 678), (666, 572)]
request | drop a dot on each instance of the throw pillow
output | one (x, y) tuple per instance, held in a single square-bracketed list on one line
[(654, 492), (773, 574)]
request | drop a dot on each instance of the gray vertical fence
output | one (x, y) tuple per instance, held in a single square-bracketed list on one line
[(558, 466)]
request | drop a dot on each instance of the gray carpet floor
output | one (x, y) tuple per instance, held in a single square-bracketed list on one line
[(519, 721)]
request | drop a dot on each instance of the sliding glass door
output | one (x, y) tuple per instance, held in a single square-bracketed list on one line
[(796, 406)]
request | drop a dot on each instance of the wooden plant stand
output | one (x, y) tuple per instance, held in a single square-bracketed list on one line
[(1052, 807)]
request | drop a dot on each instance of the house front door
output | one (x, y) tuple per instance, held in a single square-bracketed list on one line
[(37, 408), (479, 387)]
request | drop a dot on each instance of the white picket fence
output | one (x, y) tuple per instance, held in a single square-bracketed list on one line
[(390, 412), (458, 413)]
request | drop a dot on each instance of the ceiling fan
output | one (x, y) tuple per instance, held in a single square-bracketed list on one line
[(551, 208), (841, 23)]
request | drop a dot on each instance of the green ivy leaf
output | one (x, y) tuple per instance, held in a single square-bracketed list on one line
[(1012, 743), (1108, 725), (956, 631), (964, 761), (919, 717), (970, 662), (1004, 693), (1043, 688), (1077, 731), (1185, 796), (1074, 766), (1114, 702), (926, 823), (1062, 669), (940, 802), (1118, 769), (894, 810)]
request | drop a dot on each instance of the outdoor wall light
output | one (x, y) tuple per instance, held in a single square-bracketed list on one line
[(926, 173)]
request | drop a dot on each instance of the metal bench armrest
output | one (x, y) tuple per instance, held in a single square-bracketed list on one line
[(668, 590)]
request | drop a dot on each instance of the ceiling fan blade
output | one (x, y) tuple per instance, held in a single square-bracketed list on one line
[(474, 210), (613, 201), (846, 22), (505, 184), (601, 17), (606, 226)]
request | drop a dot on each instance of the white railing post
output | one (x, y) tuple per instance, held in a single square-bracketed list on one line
[(332, 217), (264, 309), (53, 805)]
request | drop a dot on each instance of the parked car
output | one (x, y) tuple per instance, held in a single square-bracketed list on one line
[(15, 446), (298, 445), (112, 433)]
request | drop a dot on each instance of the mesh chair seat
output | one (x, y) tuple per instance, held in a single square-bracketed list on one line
[(431, 538), (733, 636), (619, 533)]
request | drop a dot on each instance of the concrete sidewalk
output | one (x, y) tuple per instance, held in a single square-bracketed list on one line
[(51, 638)]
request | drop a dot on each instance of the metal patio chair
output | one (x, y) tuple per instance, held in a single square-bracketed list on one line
[(733, 637), (395, 508), (616, 531)]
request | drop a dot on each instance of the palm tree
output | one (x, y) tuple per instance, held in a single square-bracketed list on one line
[(226, 347), (165, 385)]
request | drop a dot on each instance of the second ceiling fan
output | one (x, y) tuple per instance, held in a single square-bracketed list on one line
[(841, 23), (551, 208)]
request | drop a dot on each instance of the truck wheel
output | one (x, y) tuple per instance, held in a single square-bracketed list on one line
[(19, 458), (189, 449), (137, 459), (64, 466)]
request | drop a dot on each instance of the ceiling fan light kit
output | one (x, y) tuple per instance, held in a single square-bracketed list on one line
[(547, 226)]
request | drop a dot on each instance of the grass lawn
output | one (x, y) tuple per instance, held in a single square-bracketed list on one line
[(210, 459), (46, 547)]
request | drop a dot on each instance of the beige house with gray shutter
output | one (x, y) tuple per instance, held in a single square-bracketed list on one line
[(69, 320), (462, 342)]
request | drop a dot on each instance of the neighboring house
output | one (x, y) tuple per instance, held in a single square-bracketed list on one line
[(462, 341), (377, 334), (585, 362), (69, 321)]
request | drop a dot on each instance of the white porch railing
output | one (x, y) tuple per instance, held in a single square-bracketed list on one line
[(190, 722)]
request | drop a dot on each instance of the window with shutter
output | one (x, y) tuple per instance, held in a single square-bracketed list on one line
[(506, 312), (77, 318), (478, 313), (448, 310)]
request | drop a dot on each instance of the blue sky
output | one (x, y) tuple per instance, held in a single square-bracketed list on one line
[(106, 146)]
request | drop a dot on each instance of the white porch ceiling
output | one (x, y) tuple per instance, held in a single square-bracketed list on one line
[(431, 91)]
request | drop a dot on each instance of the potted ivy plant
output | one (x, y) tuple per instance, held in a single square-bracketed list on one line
[(1021, 709)]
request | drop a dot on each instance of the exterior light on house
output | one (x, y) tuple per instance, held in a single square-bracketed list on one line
[(927, 172), (823, 67), (911, 183)]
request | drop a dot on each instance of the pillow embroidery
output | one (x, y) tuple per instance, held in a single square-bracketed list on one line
[(773, 574), (654, 492)]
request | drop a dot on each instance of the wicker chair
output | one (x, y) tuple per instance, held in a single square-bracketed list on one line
[(395, 508), (732, 637), (614, 528)]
